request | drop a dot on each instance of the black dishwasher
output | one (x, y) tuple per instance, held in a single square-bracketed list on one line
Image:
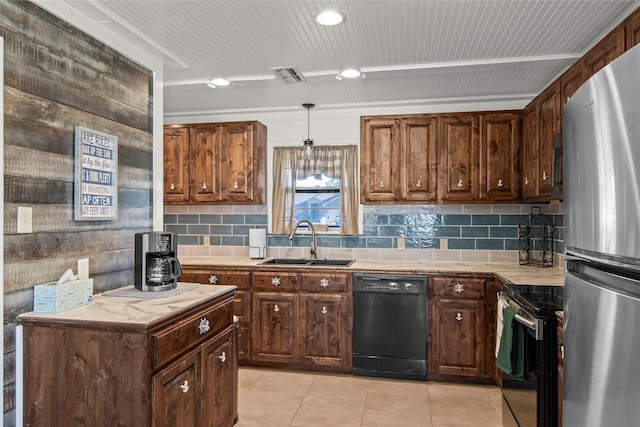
[(390, 326)]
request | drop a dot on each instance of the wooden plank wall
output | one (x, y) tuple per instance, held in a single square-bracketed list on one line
[(57, 77)]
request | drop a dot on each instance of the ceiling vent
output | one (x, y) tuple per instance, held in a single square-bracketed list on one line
[(289, 75)]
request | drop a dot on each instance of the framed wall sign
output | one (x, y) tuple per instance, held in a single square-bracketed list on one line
[(96, 183)]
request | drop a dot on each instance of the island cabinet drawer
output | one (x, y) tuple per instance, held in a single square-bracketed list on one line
[(458, 287), (184, 335), (217, 277), (274, 281), (324, 282)]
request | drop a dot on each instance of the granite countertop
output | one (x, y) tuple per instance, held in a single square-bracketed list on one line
[(135, 313), (508, 272)]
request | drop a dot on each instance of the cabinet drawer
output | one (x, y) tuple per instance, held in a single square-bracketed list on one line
[(324, 282), (241, 305), (274, 281), (213, 277), (170, 342), (457, 287)]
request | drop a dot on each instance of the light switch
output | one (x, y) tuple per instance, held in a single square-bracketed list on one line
[(401, 242), (83, 268), (25, 224), (444, 244)]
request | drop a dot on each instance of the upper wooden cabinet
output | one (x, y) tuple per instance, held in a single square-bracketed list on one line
[(459, 157), (222, 163), (570, 81), (500, 156), (548, 125), (530, 151), (398, 159), (632, 30), (609, 48)]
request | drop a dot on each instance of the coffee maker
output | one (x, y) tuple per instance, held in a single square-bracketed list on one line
[(156, 264)]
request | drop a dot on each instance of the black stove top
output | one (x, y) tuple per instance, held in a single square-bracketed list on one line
[(538, 300)]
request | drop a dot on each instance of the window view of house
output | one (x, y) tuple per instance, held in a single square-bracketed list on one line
[(318, 200)]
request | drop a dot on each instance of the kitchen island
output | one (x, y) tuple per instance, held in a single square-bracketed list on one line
[(134, 361)]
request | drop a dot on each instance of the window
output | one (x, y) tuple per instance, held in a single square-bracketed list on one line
[(317, 199)]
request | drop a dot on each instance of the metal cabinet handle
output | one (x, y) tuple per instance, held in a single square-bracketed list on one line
[(459, 317), (223, 357), (458, 287), (185, 386), (213, 279), (204, 185), (544, 175), (526, 180), (276, 281), (276, 308), (235, 185), (500, 183), (459, 184), (381, 184), (419, 184), (562, 351), (172, 186), (324, 282), (324, 310), (204, 326)]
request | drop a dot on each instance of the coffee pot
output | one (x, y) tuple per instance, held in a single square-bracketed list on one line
[(156, 264)]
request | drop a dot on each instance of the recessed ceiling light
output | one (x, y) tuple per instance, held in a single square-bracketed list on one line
[(329, 18), (213, 83), (349, 73)]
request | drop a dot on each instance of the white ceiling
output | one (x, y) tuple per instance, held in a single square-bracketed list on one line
[(412, 52)]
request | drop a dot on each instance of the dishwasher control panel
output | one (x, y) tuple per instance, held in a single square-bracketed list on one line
[(390, 284)]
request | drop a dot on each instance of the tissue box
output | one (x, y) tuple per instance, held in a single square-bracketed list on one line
[(52, 298)]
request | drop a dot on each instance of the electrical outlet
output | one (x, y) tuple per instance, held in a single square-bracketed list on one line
[(401, 242), (206, 240), (83, 268), (444, 244), (25, 220)]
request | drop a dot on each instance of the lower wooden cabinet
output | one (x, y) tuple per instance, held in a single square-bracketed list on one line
[(274, 329), (457, 320)]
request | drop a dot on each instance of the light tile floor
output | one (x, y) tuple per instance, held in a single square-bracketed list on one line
[(273, 398)]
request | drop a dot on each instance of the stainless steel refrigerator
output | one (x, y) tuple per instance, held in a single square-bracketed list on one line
[(601, 150)]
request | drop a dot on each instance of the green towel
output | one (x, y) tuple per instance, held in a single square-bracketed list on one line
[(511, 352)]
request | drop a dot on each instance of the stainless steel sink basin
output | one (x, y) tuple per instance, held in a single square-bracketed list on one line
[(308, 262)]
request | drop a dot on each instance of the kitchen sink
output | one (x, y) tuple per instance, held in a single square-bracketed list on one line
[(308, 262)]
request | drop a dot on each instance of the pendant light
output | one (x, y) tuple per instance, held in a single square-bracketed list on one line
[(308, 142)]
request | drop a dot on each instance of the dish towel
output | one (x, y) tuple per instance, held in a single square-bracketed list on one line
[(502, 303), (511, 353)]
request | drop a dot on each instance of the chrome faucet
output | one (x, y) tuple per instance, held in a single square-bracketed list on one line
[(313, 236)]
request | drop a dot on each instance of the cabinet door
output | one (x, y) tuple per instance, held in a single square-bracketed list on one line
[(458, 337), (379, 152), (604, 52), (176, 158), (500, 156), (241, 308), (274, 330), (549, 122), (632, 29), (217, 381), (530, 151), (418, 165), (237, 147), (207, 168), (175, 393), (323, 329), (570, 81), (459, 161)]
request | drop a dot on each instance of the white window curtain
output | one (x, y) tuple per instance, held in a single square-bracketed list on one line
[(336, 161)]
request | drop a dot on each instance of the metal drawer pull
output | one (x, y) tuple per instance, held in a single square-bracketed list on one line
[(324, 282), (213, 279), (459, 317), (204, 326), (544, 175), (419, 184), (458, 287), (172, 186), (324, 310), (235, 185), (459, 184), (500, 183), (185, 386), (276, 308), (562, 351), (276, 281), (381, 184), (204, 185), (223, 358), (526, 180)]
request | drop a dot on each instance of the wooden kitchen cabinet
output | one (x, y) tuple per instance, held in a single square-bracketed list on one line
[(222, 163), (530, 151), (241, 299), (632, 30), (275, 327), (500, 156), (398, 159), (459, 150), (549, 126), (608, 49), (457, 344), (172, 363), (570, 81), (176, 164)]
